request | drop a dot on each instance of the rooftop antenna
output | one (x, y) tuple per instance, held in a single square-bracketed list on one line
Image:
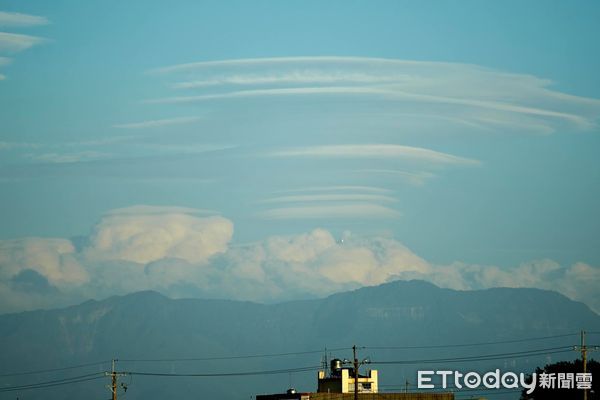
[(324, 362)]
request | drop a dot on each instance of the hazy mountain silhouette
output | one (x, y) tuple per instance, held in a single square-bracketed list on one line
[(147, 325)]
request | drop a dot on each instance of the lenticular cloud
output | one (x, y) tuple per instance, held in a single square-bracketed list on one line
[(464, 94)]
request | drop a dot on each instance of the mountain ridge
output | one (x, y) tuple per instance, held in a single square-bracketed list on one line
[(148, 325), (365, 289)]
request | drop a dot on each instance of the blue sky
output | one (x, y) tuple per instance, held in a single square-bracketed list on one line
[(449, 141)]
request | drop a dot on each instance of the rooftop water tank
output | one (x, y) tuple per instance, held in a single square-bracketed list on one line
[(336, 366)]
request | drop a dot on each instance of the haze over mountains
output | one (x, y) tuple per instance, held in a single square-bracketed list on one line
[(147, 325)]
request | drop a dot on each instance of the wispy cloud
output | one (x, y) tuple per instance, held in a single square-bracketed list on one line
[(330, 197), (415, 178), (373, 151), (14, 42), (295, 78), (302, 91), (480, 97), (359, 210), (13, 19), (104, 141), (353, 188), (19, 145), (158, 123), (148, 210), (387, 93), (67, 158), (282, 61)]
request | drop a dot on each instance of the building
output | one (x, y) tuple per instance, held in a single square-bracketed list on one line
[(340, 382)]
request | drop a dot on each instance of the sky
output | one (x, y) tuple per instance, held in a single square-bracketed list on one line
[(270, 151)]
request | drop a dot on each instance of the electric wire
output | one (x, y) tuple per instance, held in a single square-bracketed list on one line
[(469, 344), (56, 382), (486, 357), (233, 357), (223, 374), (42, 371), (291, 353)]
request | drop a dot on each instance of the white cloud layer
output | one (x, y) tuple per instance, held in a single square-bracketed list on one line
[(330, 197), (54, 259), (146, 234), (464, 94), (13, 19), (15, 42), (67, 158), (374, 151), (338, 188), (340, 210), (155, 123), (185, 252)]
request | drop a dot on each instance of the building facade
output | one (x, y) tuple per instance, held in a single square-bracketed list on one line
[(339, 382)]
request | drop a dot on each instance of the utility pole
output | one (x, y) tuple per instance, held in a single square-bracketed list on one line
[(355, 373), (584, 359), (583, 348), (114, 376), (356, 364)]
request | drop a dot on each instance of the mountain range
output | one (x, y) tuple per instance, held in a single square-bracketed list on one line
[(400, 326)]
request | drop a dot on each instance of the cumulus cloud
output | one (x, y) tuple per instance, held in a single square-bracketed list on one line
[(300, 248), (38, 273), (146, 234), (185, 252), (54, 259)]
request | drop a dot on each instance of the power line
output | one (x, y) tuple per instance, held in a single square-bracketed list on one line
[(223, 374), (56, 382), (469, 344), (42, 371), (233, 357), (83, 378), (216, 358), (520, 354)]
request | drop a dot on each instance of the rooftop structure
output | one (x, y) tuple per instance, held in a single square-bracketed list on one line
[(340, 381)]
